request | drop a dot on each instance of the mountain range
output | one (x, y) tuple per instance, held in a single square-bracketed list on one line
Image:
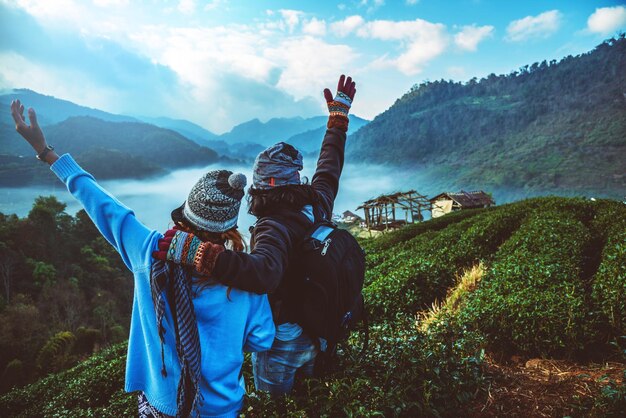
[(551, 127), (120, 146)]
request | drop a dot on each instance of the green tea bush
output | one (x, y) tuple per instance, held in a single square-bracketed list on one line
[(609, 285), (425, 267), (404, 373), (379, 248), (532, 300), (94, 388)]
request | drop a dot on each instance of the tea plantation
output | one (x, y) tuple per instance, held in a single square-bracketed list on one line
[(552, 285)]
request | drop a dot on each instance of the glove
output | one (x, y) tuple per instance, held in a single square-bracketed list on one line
[(339, 106), (186, 249)]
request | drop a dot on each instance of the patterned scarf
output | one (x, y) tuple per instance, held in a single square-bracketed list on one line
[(172, 282)]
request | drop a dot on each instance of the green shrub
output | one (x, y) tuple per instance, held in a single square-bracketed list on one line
[(609, 285), (532, 300), (423, 269), (94, 388), (404, 373)]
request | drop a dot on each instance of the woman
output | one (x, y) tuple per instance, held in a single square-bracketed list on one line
[(187, 333)]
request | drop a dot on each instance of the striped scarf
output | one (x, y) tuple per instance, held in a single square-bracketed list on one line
[(172, 282)]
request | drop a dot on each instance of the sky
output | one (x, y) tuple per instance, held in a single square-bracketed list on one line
[(223, 62)]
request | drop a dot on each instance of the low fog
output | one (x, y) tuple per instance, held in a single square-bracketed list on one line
[(153, 199)]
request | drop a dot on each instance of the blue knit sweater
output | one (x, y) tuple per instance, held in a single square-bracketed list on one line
[(226, 328)]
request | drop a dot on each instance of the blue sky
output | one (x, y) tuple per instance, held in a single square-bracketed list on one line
[(222, 62)]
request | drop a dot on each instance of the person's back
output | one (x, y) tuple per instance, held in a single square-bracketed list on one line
[(187, 334)]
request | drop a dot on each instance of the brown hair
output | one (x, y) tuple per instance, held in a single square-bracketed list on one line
[(232, 237)]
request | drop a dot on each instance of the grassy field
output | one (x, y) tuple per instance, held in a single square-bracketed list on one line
[(515, 310)]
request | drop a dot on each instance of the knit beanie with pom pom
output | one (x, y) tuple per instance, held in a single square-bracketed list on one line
[(214, 201)]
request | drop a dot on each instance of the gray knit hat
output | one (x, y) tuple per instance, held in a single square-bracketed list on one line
[(279, 165), (214, 201)]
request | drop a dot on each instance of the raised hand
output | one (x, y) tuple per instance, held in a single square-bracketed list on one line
[(345, 87), (33, 133), (339, 106)]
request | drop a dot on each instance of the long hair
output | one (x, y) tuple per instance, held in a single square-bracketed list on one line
[(264, 202), (231, 238)]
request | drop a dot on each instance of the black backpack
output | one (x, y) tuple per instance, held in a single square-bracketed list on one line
[(328, 291)]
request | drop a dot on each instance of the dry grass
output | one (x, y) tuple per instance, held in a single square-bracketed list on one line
[(465, 284), (544, 388)]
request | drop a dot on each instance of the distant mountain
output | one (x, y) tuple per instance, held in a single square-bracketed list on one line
[(249, 138), (557, 127), (272, 131), (311, 140), (188, 129), (107, 149), (51, 110)]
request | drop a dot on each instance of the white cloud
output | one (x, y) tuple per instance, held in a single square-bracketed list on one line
[(607, 20), (345, 27), (412, 2), (309, 64), (212, 5), (423, 41), (187, 6), (109, 3), (540, 26), (314, 27), (291, 18), (373, 5), (470, 36)]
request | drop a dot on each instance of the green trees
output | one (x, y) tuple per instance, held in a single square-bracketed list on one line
[(550, 127), (64, 291)]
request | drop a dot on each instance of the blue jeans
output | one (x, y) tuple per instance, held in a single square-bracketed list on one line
[(275, 370)]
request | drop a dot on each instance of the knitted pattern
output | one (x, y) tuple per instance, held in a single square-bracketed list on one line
[(214, 201), (206, 257), (278, 165), (339, 109)]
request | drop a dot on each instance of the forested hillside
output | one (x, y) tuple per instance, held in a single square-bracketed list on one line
[(550, 127), (65, 292), (531, 323), (106, 149)]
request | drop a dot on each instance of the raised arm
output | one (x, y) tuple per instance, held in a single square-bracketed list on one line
[(330, 162), (262, 270), (115, 221)]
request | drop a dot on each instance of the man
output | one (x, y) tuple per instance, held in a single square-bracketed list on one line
[(285, 209)]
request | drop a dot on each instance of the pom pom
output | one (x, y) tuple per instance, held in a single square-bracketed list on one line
[(237, 181)]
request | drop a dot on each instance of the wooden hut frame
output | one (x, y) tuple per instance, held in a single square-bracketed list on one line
[(380, 213)]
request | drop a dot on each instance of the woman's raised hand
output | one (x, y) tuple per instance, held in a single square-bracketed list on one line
[(345, 86), (33, 133), (339, 106)]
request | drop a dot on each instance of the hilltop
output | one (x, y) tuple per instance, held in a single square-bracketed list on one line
[(551, 127), (528, 290), (109, 150)]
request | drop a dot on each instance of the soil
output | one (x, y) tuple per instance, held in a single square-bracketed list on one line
[(546, 388)]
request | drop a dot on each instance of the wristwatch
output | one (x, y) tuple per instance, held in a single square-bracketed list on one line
[(42, 155)]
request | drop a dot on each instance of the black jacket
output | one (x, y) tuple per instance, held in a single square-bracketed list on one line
[(265, 268)]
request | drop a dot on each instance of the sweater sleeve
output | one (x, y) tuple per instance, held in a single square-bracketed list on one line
[(262, 270), (261, 329), (116, 222), (329, 166)]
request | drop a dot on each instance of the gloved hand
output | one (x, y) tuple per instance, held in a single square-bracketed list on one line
[(339, 106), (184, 248)]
